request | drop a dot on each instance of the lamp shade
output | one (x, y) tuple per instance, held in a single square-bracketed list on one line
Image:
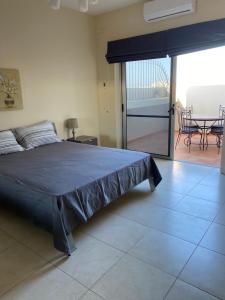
[(72, 123)]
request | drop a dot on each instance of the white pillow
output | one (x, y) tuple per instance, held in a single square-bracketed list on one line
[(8, 143), (37, 135)]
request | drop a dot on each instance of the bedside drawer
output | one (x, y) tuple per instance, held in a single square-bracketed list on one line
[(83, 139)]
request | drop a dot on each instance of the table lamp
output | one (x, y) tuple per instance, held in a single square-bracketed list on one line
[(72, 124)]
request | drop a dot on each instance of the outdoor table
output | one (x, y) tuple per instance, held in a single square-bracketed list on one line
[(204, 122)]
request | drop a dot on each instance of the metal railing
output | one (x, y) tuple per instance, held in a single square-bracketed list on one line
[(147, 79)]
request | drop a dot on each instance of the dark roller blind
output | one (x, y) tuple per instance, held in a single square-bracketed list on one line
[(195, 37), (137, 48), (170, 42)]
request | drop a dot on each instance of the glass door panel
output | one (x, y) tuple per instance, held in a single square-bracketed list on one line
[(148, 107), (148, 135)]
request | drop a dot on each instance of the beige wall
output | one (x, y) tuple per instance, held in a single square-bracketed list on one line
[(55, 52), (125, 23)]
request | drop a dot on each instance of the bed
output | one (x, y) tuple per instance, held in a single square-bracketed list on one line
[(63, 184)]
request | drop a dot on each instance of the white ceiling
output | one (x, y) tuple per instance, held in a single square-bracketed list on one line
[(103, 6)]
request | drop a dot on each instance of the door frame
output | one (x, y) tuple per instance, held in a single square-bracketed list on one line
[(173, 103), (171, 118)]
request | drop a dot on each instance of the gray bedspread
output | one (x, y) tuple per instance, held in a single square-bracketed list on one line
[(63, 184)]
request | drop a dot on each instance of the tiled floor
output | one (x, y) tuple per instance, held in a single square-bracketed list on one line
[(169, 245)]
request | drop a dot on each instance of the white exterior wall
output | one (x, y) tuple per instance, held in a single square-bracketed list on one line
[(206, 99)]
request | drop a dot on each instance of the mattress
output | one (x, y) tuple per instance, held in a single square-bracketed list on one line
[(63, 184)]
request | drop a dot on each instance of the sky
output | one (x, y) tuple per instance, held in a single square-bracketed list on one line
[(203, 68)]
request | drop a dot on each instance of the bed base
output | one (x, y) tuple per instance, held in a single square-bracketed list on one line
[(152, 184)]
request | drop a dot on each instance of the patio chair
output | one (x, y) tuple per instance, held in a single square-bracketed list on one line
[(219, 125), (188, 109), (218, 129), (187, 128)]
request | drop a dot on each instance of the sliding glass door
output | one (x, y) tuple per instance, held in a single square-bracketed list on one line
[(148, 107)]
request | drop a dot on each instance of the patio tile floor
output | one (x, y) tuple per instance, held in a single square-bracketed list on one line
[(158, 143)]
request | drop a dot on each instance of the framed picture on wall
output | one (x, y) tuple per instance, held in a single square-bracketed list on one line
[(10, 90)]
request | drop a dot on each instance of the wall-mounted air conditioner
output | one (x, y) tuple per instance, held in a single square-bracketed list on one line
[(157, 10)]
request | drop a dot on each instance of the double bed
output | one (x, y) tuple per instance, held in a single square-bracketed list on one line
[(63, 184)]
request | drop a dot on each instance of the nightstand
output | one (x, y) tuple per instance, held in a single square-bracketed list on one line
[(85, 139)]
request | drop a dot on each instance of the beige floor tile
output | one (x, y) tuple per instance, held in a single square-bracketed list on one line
[(206, 271), (214, 194), (161, 197), (6, 214), (90, 260), (116, 231), (216, 179), (5, 241), (215, 238), (220, 218), (49, 283), (16, 263), (163, 251), (42, 243), (164, 166), (184, 291), (166, 220), (165, 198), (191, 173), (199, 208), (91, 296), (132, 279), (19, 228), (177, 184)]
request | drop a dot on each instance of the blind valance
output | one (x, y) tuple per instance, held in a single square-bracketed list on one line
[(170, 42)]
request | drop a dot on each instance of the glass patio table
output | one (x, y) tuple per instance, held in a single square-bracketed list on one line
[(204, 122)]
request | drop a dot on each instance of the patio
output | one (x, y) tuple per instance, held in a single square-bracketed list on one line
[(157, 143), (209, 157), (197, 88)]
